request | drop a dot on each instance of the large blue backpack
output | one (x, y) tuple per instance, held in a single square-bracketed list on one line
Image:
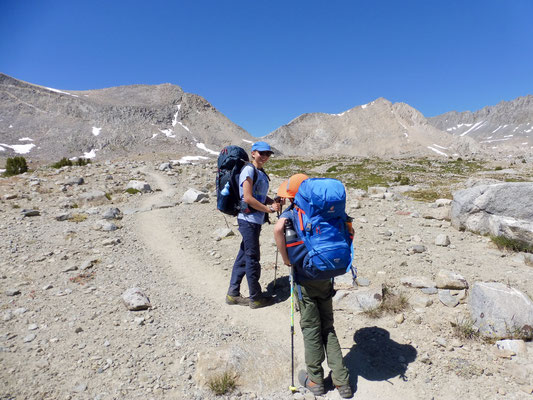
[(231, 160), (320, 220)]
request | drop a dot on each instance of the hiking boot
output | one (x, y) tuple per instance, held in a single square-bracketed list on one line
[(345, 391), (316, 388), (237, 300), (261, 302)]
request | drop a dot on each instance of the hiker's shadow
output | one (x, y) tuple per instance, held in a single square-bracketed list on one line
[(281, 289), (376, 357)]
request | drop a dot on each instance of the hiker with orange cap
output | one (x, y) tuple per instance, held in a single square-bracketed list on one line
[(315, 302)]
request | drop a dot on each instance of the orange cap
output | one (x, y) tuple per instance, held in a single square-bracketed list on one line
[(289, 187)]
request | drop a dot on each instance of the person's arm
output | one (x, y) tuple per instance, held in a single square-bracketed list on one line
[(279, 236), (247, 190)]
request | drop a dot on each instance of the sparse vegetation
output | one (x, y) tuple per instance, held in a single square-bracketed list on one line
[(130, 191), (498, 168), (15, 166), (65, 162), (77, 218), (83, 277), (223, 383), (430, 195), (505, 243), (393, 302), (108, 196), (464, 328), (402, 180)]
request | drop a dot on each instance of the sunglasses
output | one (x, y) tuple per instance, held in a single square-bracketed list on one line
[(265, 153)]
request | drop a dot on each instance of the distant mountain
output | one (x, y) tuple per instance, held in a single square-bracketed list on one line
[(379, 128), (508, 124), (50, 124)]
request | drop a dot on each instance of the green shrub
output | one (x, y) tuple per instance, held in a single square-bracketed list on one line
[(392, 303), (15, 166), (511, 244), (108, 196), (64, 162), (498, 168), (132, 191), (402, 180), (465, 329), (82, 162), (223, 383)]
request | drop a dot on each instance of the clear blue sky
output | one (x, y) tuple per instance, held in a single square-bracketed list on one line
[(263, 63)]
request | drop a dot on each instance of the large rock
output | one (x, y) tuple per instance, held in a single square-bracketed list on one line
[(96, 197), (252, 376), (504, 209), (500, 311), (360, 300)]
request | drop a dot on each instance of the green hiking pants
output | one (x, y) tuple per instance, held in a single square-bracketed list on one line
[(320, 339)]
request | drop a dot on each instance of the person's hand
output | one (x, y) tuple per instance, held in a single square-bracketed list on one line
[(275, 206)]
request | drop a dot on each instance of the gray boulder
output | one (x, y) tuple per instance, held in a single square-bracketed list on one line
[(363, 299), (141, 186), (112, 213), (499, 310), (504, 209), (193, 196), (96, 197)]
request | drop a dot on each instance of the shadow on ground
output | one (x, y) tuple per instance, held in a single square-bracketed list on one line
[(282, 289), (376, 357)]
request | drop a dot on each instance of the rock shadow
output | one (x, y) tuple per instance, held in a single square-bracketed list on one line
[(376, 357)]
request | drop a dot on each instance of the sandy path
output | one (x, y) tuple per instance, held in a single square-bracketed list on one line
[(159, 233)]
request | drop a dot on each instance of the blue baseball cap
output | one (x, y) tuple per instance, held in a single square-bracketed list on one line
[(261, 146)]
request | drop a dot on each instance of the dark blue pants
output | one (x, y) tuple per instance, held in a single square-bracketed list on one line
[(247, 261)]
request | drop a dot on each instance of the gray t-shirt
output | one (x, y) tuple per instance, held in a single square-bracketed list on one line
[(259, 191)]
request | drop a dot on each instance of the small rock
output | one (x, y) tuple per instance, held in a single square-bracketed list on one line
[(449, 280), (135, 299), (447, 299), (417, 248), (442, 240), (82, 387), (417, 282), (33, 327), (399, 318), (30, 213), (429, 290), (516, 346), (12, 292), (30, 338)]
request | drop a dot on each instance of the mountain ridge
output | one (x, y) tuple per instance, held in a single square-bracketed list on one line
[(48, 124)]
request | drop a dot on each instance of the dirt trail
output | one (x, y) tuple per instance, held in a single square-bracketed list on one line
[(161, 234)]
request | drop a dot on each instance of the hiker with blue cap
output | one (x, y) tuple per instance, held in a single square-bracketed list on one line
[(255, 205)]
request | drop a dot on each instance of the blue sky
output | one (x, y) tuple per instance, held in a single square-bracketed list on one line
[(263, 63)]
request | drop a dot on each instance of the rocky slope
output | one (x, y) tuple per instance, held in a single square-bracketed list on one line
[(49, 124), (68, 257), (507, 126), (379, 128)]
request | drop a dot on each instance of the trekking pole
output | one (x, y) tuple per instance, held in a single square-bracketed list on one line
[(292, 388), (277, 199)]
